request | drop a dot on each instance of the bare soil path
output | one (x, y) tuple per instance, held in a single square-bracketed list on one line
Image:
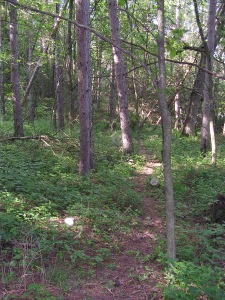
[(136, 272)]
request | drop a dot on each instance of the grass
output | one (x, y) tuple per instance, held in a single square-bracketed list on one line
[(200, 241), (40, 186)]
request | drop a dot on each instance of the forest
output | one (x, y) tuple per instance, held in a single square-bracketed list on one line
[(112, 149)]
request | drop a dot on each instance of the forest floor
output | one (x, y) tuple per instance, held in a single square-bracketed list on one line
[(136, 274), (131, 271)]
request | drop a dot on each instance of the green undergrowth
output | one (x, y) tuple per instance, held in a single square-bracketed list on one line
[(40, 187), (198, 272)]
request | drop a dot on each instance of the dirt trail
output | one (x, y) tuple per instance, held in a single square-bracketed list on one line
[(136, 273)]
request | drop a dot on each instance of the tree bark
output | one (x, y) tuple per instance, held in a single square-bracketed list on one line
[(205, 134), (112, 95), (46, 49), (2, 98), (195, 100), (166, 130), (31, 99), (177, 102), (17, 108), (70, 67), (59, 81), (120, 78), (99, 74), (84, 87)]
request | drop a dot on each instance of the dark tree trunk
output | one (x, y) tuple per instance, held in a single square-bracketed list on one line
[(17, 108), (2, 98), (166, 129), (84, 87), (120, 78)]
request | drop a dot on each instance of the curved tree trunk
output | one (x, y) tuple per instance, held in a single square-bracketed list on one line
[(120, 78), (17, 108)]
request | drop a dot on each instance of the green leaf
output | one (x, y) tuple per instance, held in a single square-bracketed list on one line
[(173, 53), (122, 2)]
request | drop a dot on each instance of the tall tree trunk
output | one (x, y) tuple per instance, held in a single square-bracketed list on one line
[(70, 67), (46, 49), (112, 95), (195, 99), (177, 100), (198, 88), (17, 108), (205, 136), (84, 87), (99, 75), (2, 98), (166, 129), (32, 103), (177, 106), (120, 78), (59, 81)]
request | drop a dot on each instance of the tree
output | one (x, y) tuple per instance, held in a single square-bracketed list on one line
[(198, 87), (31, 92), (177, 101), (17, 108), (167, 132), (209, 50), (195, 99), (84, 87), (120, 78), (2, 98), (59, 81), (112, 94), (70, 66)]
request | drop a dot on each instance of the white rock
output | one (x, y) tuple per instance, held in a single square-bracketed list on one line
[(69, 221)]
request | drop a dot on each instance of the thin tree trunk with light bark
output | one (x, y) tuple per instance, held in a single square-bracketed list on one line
[(167, 132), (70, 67), (30, 94), (208, 94), (99, 74), (177, 102), (112, 95), (59, 81), (120, 78)]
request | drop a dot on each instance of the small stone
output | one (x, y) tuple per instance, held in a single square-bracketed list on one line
[(69, 221), (154, 182)]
